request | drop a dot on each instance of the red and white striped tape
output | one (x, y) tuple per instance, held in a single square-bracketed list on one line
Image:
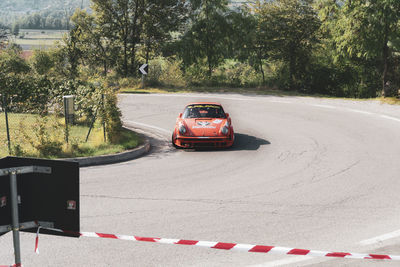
[(235, 246)]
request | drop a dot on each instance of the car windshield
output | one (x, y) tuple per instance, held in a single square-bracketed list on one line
[(203, 111)]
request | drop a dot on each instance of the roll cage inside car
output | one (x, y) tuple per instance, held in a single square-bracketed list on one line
[(203, 111)]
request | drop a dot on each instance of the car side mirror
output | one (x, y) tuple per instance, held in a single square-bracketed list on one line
[(227, 115), (180, 115)]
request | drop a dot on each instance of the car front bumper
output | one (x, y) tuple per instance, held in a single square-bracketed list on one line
[(204, 141)]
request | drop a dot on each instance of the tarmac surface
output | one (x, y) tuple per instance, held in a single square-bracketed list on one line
[(308, 173)]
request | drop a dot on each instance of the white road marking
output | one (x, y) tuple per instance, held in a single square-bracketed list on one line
[(359, 111), (290, 260), (380, 238), (281, 101), (390, 118), (323, 106), (150, 126)]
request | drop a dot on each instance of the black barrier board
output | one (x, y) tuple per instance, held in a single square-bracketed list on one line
[(43, 197)]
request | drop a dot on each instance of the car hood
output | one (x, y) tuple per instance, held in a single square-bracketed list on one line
[(204, 127)]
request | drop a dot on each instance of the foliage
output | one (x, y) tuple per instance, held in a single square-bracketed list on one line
[(94, 42), (41, 62), (342, 48), (128, 24), (46, 137), (208, 35), (166, 72), (291, 29), (111, 115), (25, 127), (364, 32), (13, 80)]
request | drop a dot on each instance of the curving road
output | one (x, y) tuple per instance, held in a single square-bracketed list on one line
[(304, 172)]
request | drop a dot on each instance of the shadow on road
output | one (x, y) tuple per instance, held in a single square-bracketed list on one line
[(248, 142), (242, 142)]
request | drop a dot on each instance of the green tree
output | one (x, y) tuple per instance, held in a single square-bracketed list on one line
[(208, 35), (41, 62), (251, 39), (13, 79), (71, 53), (95, 41), (132, 23), (290, 28), (160, 19), (368, 31)]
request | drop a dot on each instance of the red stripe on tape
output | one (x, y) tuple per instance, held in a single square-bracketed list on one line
[(378, 257), (254, 248), (221, 245), (262, 249), (187, 242), (297, 251), (107, 235), (147, 239), (338, 254)]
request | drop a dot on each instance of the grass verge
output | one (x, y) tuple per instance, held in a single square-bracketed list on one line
[(33, 136)]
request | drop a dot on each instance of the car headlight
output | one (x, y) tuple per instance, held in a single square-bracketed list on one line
[(182, 128), (225, 129)]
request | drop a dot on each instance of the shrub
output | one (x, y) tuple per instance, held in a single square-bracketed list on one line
[(112, 117), (196, 74), (42, 61), (166, 72), (128, 82), (238, 74), (46, 137)]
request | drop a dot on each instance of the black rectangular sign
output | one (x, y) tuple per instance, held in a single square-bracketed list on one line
[(43, 197)]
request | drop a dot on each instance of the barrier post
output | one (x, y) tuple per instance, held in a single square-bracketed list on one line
[(14, 217)]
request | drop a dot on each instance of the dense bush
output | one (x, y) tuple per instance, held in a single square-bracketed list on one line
[(166, 72), (112, 117)]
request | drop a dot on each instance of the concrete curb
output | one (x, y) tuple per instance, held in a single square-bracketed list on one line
[(114, 158)]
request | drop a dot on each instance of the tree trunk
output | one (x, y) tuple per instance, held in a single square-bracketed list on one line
[(105, 68), (385, 54), (292, 69), (125, 58), (135, 35), (261, 64), (147, 50)]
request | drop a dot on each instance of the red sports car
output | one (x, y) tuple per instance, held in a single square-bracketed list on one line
[(203, 124)]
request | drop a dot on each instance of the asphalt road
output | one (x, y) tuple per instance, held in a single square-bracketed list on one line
[(304, 172)]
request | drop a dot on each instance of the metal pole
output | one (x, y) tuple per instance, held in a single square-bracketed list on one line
[(142, 83), (66, 120), (104, 121), (14, 218), (7, 126), (92, 124)]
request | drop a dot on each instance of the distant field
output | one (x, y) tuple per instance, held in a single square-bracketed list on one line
[(38, 39)]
